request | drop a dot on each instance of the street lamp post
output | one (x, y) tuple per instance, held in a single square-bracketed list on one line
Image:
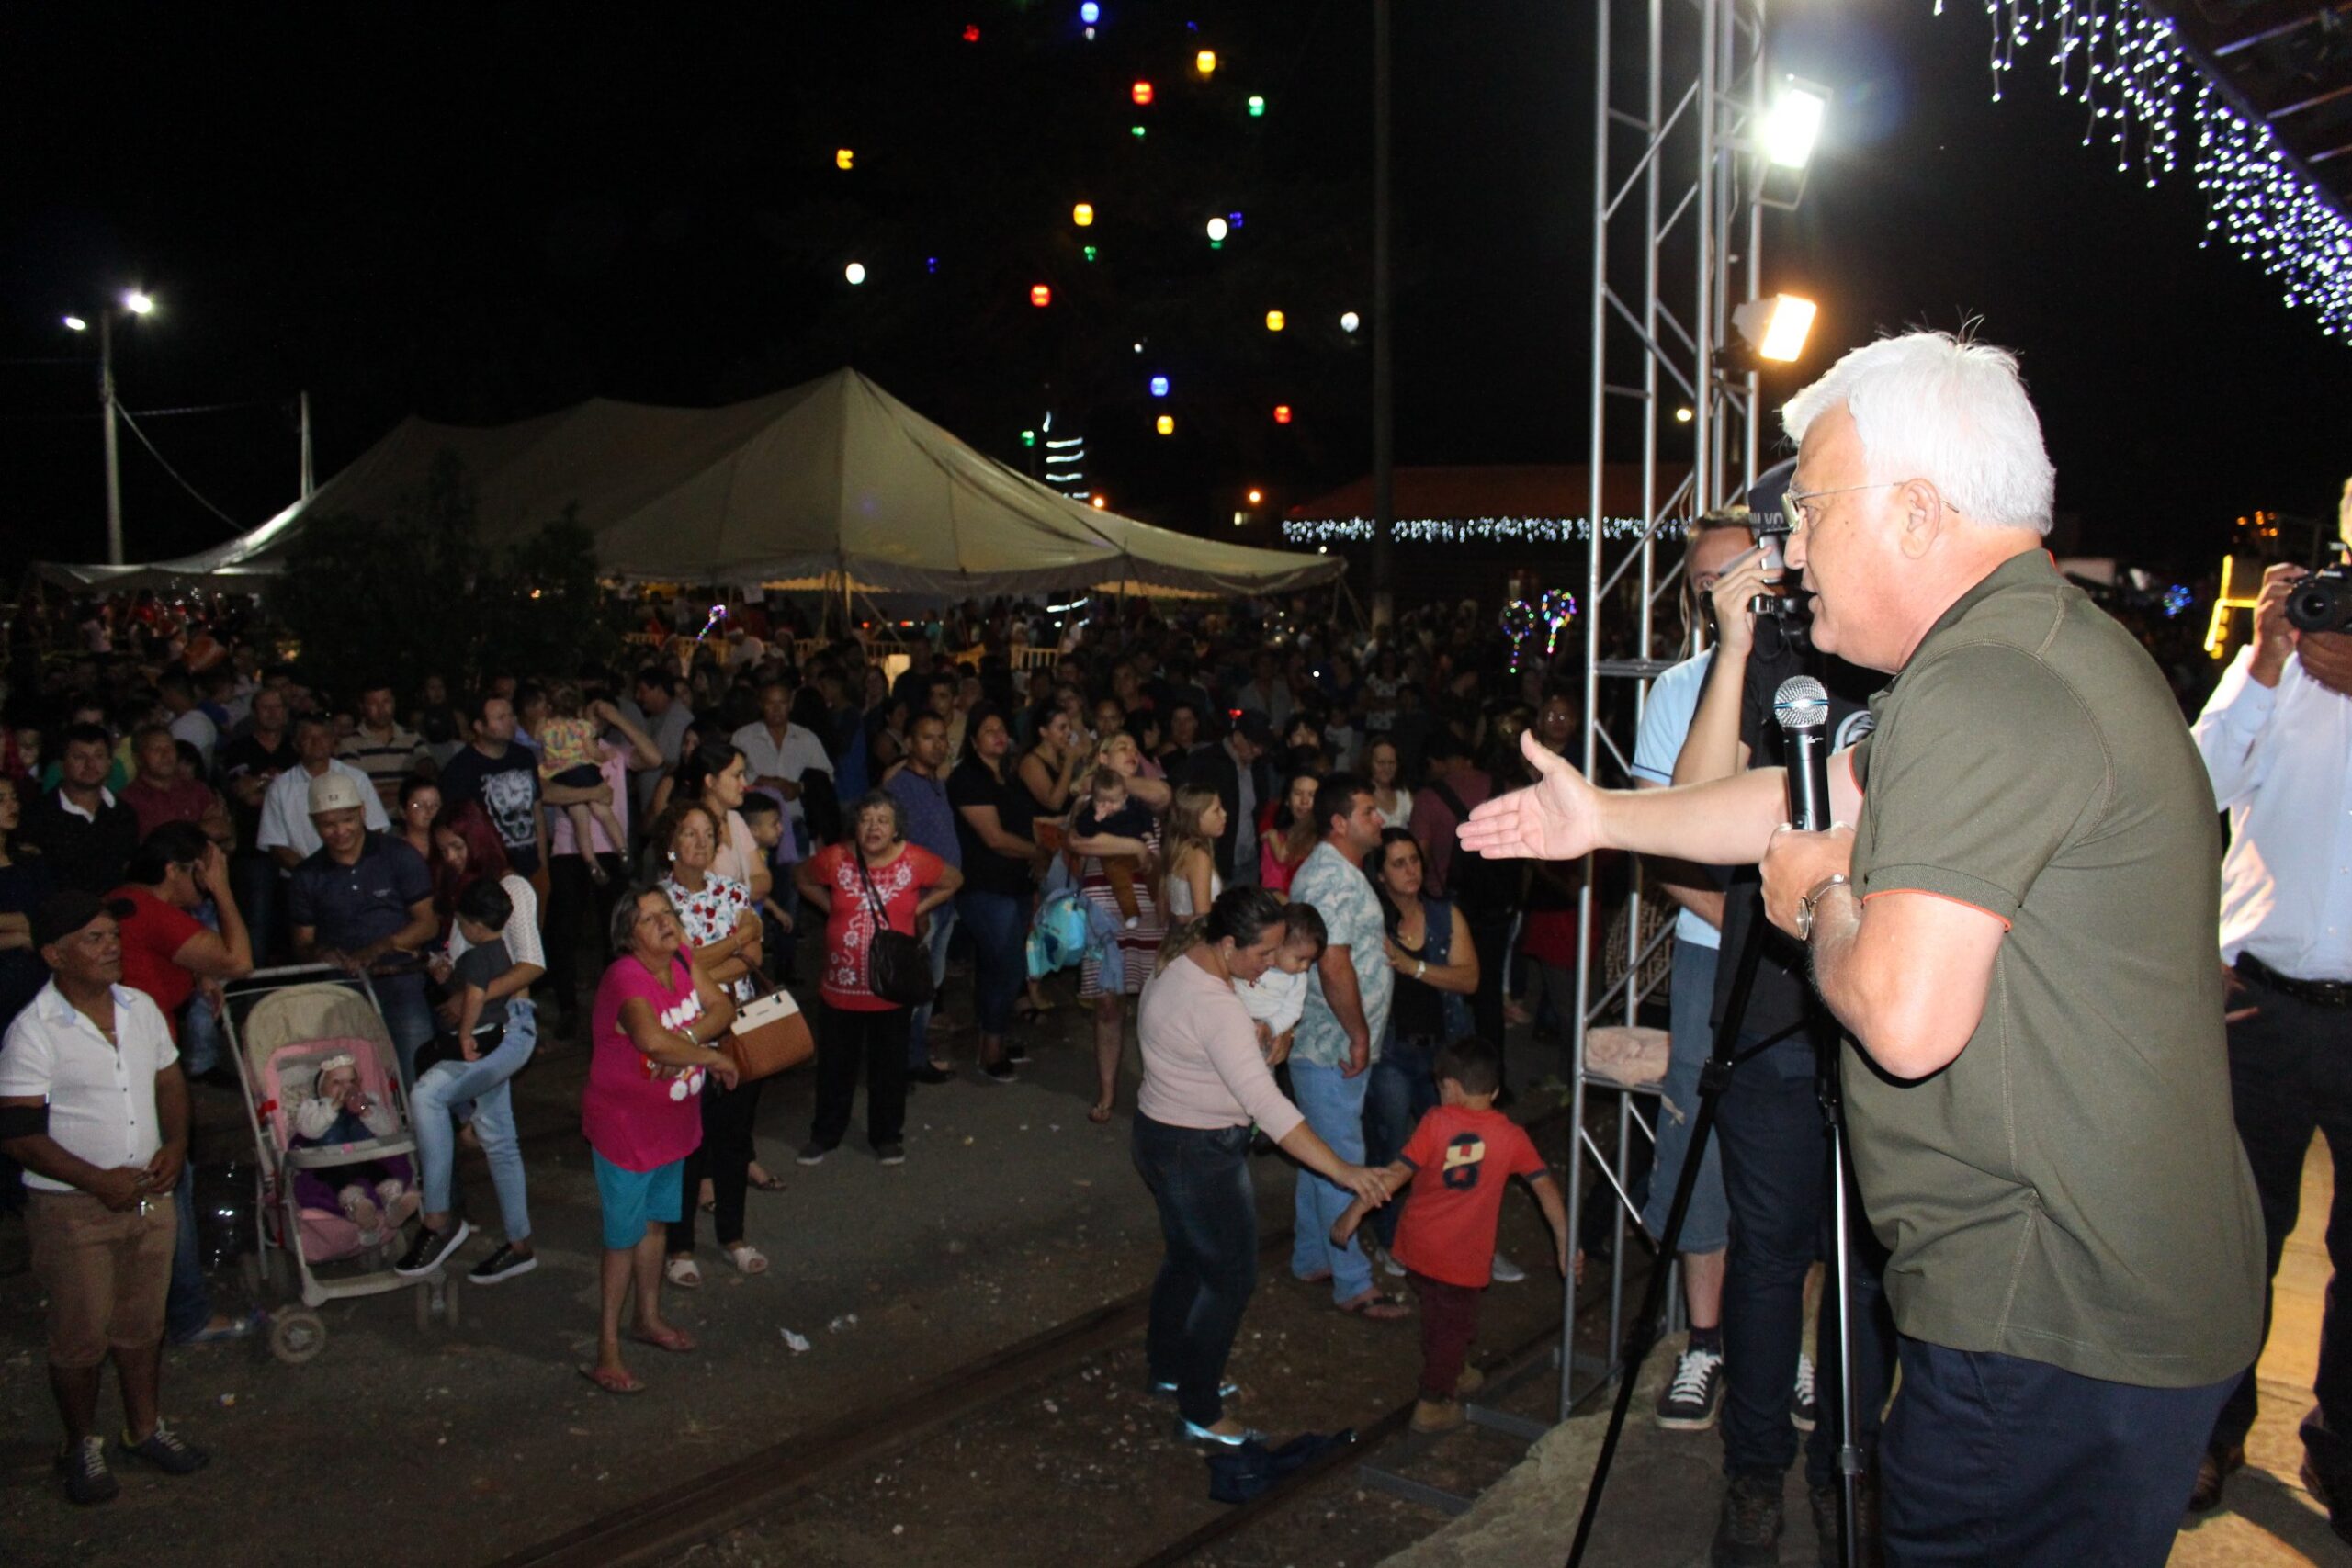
[(139, 304)]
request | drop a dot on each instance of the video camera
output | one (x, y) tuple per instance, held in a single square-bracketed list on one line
[(1792, 606), (2323, 602)]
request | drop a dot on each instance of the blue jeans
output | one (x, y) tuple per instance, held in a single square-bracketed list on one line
[(199, 1025), (1209, 1221), (454, 1089), (188, 1306), (1707, 1227), (409, 1016), (1989, 1458), (1403, 1090), (1000, 926), (942, 929), (1334, 1107)]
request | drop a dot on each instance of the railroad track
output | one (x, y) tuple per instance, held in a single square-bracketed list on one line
[(709, 1505)]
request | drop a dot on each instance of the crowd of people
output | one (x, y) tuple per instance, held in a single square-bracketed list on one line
[(618, 862), (1322, 873)]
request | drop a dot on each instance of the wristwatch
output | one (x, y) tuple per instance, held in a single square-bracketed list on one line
[(1812, 900)]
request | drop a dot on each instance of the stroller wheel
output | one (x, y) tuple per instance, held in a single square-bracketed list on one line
[(296, 1335)]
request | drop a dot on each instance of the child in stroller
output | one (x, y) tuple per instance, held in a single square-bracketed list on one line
[(376, 1196)]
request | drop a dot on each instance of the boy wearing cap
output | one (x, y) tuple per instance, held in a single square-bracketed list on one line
[(93, 1106)]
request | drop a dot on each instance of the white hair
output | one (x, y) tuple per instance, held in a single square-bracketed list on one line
[(1929, 405)]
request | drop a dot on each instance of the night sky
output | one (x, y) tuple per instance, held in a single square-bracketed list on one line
[(484, 214)]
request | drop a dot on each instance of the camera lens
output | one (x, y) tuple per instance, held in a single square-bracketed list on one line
[(2320, 605)]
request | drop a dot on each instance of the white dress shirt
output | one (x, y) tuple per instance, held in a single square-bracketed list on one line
[(789, 758), (2280, 759), (101, 1099), (286, 808)]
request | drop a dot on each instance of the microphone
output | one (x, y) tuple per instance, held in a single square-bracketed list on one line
[(1801, 707)]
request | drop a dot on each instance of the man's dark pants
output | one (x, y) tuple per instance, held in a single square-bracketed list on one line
[(1776, 1181), (1994, 1459), (1490, 937), (2290, 1074)]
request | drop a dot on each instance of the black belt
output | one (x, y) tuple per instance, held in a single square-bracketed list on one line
[(2317, 992)]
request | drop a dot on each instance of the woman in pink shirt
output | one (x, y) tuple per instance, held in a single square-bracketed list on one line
[(1203, 1084), (654, 1020)]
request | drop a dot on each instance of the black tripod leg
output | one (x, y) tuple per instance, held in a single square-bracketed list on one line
[(1829, 1065), (1713, 1081)]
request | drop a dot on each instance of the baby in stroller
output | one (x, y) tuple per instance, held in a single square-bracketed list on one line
[(377, 1196)]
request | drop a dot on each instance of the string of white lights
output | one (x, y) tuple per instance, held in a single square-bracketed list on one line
[(1470, 530), (2136, 80)]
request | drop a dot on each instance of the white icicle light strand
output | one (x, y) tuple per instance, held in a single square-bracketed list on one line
[(2131, 73)]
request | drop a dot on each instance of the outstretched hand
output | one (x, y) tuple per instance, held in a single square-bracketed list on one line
[(1556, 817)]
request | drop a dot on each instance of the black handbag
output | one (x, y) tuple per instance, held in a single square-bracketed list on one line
[(898, 970)]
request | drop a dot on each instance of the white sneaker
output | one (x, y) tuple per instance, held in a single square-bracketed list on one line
[(1507, 1272), (1385, 1259)]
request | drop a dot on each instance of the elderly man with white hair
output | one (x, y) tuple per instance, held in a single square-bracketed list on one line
[(2016, 933)]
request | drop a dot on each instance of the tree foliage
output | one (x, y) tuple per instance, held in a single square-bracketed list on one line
[(417, 591)]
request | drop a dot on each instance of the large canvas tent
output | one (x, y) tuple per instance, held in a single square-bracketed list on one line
[(834, 484)]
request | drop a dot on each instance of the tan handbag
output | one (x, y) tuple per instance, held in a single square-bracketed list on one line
[(770, 1034)]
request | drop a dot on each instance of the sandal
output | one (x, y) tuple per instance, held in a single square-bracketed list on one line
[(612, 1382), (677, 1341), (1376, 1307), (747, 1259), (774, 1183), (683, 1272)]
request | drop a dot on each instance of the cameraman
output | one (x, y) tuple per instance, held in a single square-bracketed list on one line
[(1776, 1170), (2276, 739)]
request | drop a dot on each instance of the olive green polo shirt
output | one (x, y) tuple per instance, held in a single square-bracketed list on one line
[(2070, 1188)]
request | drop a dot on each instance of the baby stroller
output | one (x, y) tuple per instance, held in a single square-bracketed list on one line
[(292, 1020)]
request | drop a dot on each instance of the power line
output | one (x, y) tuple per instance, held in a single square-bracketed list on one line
[(175, 473)]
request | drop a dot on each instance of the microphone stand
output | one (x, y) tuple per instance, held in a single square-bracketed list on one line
[(1827, 1084)]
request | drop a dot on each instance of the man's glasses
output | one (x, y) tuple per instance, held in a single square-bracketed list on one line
[(1794, 501)]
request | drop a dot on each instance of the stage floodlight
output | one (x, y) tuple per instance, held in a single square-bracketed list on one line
[(1776, 327), (1793, 124)]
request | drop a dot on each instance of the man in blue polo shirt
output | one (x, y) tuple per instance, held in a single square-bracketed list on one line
[(921, 788), (362, 900)]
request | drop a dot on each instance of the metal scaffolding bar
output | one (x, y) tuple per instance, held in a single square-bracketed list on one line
[(1677, 227)]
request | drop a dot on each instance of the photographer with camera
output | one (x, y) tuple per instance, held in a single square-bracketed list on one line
[(1775, 1145), (2276, 739)]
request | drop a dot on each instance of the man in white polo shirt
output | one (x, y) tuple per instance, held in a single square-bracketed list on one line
[(94, 1107)]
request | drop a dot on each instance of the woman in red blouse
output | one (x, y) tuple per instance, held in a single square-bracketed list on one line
[(878, 869)]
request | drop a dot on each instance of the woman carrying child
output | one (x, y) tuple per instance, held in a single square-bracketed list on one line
[(722, 929), (1117, 831), (571, 755), (1204, 1082), (490, 1029)]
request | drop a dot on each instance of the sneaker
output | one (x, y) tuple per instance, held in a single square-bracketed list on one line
[(999, 1072), (1747, 1533), (813, 1153), (1383, 1257), (1805, 1405), (430, 1248), (164, 1449), (1168, 1390), (1187, 1432), (87, 1479), (890, 1153), (502, 1264), (1694, 1395), (1016, 1053), (1507, 1272)]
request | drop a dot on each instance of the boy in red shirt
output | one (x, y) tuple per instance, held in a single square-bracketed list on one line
[(1464, 1151)]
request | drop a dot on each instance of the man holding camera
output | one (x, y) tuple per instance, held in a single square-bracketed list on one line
[(1776, 1168), (2277, 739)]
